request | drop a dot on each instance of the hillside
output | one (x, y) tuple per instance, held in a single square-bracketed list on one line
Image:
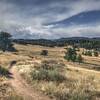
[(72, 77)]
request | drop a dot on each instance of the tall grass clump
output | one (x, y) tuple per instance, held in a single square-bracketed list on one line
[(82, 89), (48, 72), (47, 75)]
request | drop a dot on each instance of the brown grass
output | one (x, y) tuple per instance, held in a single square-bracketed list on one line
[(81, 82)]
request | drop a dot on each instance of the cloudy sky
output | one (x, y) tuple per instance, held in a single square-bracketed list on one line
[(50, 18)]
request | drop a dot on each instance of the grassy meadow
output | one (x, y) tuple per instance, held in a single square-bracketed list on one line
[(52, 75)]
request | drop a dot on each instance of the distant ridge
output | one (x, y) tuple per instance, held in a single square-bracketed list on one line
[(66, 38), (81, 18)]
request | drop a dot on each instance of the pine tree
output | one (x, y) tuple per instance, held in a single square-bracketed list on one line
[(5, 42), (71, 54)]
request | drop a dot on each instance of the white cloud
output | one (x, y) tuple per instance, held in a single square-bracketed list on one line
[(30, 19), (71, 31), (76, 30)]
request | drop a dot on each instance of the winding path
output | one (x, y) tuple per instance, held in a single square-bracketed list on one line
[(22, 88)]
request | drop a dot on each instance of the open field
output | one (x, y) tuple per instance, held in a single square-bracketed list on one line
[(74, 81)]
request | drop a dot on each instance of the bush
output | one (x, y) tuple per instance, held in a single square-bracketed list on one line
[(47, 75), (88, 53), (55, 76), (44, 52), (52, 65), (79, 58), (96, 54), (4, 71)]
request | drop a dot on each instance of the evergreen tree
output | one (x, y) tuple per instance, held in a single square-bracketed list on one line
[(71, 54), (5, 42)]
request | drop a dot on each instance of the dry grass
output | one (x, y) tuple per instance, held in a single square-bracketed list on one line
[(6, 91), (81, 83)]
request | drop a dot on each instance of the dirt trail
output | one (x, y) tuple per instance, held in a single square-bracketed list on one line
[(83, 69), (22, 88)]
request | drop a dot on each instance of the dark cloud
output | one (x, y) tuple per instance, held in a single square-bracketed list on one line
[(29, 18)]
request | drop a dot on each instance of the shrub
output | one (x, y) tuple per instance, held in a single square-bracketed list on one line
[(79, 58), (52, 65), (47, 75), (55, 76), (88, 53), (4, 71), (44, 52), (39, 75), (96, 54)]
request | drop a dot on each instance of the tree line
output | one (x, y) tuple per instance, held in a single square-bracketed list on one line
[(6, 42), (87, 43), (91, 46)]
